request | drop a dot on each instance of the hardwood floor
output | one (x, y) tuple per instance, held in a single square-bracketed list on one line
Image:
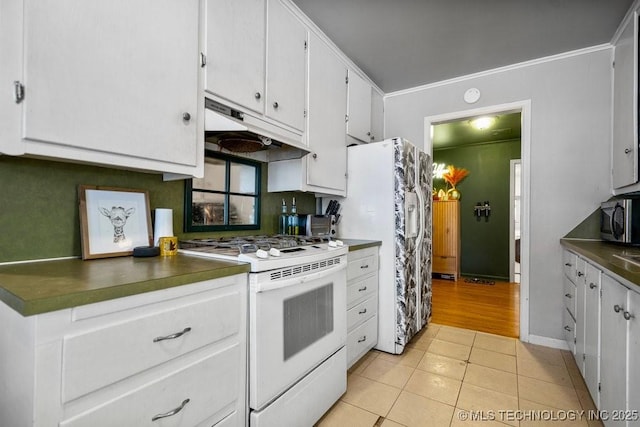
[(487, 308)]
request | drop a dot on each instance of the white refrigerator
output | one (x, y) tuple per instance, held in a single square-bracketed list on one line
[(389, 199)]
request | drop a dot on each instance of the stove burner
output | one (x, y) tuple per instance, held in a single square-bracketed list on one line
[(250, 244)]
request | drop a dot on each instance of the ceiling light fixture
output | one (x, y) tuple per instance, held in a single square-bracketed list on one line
[(482, 123)]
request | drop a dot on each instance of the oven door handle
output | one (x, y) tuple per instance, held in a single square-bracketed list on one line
[(284, 283)]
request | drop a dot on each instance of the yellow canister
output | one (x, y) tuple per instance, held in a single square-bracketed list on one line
[(168, 245)]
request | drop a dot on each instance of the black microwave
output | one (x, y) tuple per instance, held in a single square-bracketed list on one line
[(620, 221)]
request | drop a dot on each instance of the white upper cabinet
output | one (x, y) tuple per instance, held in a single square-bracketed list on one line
[(377, 116), (286, 66), (359, 108), (625, 106), (114, 83), (235, 49), (327, 163)]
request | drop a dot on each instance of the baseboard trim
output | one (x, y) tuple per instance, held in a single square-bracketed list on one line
[(548, 342)]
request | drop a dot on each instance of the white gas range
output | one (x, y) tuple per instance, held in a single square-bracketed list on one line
[(297, 323)]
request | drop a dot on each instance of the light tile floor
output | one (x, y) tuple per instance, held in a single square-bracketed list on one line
[(448, 375)]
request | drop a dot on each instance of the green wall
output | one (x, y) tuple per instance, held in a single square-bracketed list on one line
[(39, 205), (485, 244)]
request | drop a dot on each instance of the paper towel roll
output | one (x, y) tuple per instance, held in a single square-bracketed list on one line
[(163, 225)]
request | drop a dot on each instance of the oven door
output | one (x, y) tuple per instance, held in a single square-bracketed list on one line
[(294, 325)]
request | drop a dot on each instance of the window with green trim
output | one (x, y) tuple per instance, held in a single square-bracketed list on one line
[(226, 198)]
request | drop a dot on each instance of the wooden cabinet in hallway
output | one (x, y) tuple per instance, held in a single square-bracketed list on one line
[(446, 238)]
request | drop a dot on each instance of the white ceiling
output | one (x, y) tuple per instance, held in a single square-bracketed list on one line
[(401, 44)]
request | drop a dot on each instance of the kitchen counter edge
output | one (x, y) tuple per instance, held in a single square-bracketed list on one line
[(356, 245), (44, 286), (602, 254)]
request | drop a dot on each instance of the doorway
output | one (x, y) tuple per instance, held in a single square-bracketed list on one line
[(523, 109)]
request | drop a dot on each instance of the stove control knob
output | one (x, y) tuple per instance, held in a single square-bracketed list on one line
[(274, 252), (261, 253), (339, 243), (333, 244)]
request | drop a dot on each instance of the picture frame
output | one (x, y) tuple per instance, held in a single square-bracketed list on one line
[(113, 221)]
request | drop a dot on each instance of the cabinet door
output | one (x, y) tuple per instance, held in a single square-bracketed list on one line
[(235, 49), (377, 116), (327, 164), (359, 108), (592, 332), (613, 368), (625, 107), (633, 376), (119, 77), (286, 66), (580, 324)]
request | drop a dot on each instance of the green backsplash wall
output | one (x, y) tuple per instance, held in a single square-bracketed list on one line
[(485, 244), (39, 205)]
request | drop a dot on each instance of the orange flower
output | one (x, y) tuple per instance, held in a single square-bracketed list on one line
[(454, 175)]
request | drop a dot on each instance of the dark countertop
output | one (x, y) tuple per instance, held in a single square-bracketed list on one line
[(356, 245), (602, 253), (43, 286)]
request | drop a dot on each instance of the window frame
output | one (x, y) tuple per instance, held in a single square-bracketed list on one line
[(188, 196)]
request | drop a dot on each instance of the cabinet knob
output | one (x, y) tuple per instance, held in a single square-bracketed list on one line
[(258, 95), (627, 315), (580, 274), (617, 308), (568, 264), (314, 155), (566, 328), (275, 105), (568, 295), (186, 117), (592, 285), (368, 133), (627, 150)]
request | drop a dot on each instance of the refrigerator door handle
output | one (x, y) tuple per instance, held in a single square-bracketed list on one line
[(421, 213)]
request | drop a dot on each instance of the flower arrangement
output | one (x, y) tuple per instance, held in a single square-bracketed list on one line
[(452, 176)]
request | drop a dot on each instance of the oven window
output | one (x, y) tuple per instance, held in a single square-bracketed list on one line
[(307, 318), (226, 198)]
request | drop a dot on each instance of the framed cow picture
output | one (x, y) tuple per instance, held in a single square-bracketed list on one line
[(113, 221)]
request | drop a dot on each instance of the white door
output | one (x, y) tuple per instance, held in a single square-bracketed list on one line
[(286, 66), (625, 109), (118, 77), (613, 368), (235, 49), (327, 163), (592, 333), (359, 108), (633, 376)]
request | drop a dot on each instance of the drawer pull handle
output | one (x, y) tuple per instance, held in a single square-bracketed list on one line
[(171, 412), (364, 266), (172, 336), (362, 289), (362, 311), (568, 264), (566, 328), (363, 339), (568, 295), (617, 308)]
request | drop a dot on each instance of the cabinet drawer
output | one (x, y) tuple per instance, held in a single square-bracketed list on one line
[(360, 289), (362, 312), (569, 261), (362, 339), (362, 262), (569, 296), (444, 264), (569, 330), (210, 384), (100, 357)]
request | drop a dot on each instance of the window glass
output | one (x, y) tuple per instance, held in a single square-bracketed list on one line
[(226, 198)]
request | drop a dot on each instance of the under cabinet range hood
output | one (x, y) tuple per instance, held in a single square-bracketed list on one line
[(239, 132)]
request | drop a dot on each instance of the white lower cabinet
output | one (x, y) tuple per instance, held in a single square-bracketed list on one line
[(175, 357), (362, 303), (607, 334)]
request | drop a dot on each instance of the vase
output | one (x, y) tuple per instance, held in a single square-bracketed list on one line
[(453, 194)]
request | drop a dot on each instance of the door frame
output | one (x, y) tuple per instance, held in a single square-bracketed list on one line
[(524, 107), (512, 225)]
